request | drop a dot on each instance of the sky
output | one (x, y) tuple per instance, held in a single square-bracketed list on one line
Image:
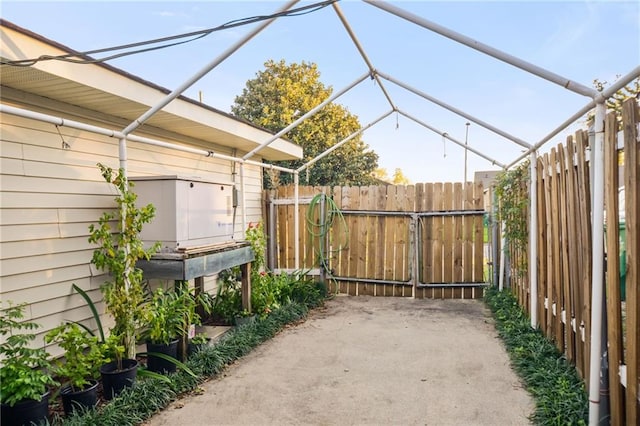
[(579, 40)]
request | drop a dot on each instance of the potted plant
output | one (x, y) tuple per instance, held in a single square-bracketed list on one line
[(197, 343), (80, 369), (228, 300), (164, 320), (24, 376), (245, 317), (119, 248), (192, 305)]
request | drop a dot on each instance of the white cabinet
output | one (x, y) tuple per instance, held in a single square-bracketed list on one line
[(190, 212)]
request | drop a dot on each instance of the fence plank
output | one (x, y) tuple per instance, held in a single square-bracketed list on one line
[(557, 260), (542, 247), (549, 246), (427, 229), (437, 222), (584, 200), (613, 295), (380, 203), (467, 229), (575, 252), (630, 116), (457, 233), (447, 240), (408, 205), (564, 232), (390, 236)]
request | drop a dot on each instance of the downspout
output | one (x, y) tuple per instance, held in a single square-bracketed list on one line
[(244, 198), (503, 255), (533, 241), (296, 219), (597, 254)]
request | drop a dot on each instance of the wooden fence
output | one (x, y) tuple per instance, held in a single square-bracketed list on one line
[(423, 240), (564, 257)]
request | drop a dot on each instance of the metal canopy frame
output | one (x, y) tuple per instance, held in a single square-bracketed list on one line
[(597, 100)]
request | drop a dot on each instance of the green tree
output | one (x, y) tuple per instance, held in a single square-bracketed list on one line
[(280, 94), (399, 178), (380, 175)]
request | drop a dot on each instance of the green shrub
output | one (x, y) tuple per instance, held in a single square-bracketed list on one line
[(559, 393), (136, 404)]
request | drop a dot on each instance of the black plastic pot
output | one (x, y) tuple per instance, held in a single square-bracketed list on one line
[(114, 380), (26, 412), (244, 320), (86, 397), (197, 347), (160, 365)]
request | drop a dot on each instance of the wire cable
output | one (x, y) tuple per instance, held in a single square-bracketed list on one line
[(84, 58)]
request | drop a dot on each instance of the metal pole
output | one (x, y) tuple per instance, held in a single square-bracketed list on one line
[(63, 122), (243, 198), (272, 234), (456, 111), (597, 251), (296, 219), (446, 135), (197, 76), (491, 51), (355, 40), (533, 241), (503, 258), (494, 237), (466, 149), (607, 93)]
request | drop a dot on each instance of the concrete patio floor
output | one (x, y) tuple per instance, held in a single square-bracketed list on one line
[(368, 361)]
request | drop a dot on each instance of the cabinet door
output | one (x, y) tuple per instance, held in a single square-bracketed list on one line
[(210, 215)]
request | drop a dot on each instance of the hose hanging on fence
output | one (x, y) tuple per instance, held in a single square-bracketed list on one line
[(319, 230)]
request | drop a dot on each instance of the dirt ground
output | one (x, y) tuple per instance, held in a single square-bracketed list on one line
[(368, 361)]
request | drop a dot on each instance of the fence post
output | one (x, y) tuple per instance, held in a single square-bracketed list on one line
[(494, 237), (413, 253), (533, 241), (296, 220), (272, 232), (597, 251)]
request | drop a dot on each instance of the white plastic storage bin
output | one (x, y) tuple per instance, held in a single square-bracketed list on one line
[(190, 212)]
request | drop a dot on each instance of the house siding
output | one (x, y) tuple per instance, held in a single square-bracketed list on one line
[(50, 195)]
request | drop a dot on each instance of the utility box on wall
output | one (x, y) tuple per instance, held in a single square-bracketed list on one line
[(190, 212)]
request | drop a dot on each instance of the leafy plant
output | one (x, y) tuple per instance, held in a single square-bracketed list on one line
[(24, 372), (119, 250), (512, 189), (228, 300), (200, 339), (164, 316), (84, 354), (138, 403), (559, 393)]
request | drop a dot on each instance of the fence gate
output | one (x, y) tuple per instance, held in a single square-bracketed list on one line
[(424, 240)]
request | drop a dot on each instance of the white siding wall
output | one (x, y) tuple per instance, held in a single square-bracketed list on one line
[(49, 196)]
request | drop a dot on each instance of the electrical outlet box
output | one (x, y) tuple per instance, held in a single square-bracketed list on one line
[(190, 212)]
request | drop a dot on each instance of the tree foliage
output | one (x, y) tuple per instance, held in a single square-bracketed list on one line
[(381, 174), (282, 93), (614, 103), (399, 178)]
